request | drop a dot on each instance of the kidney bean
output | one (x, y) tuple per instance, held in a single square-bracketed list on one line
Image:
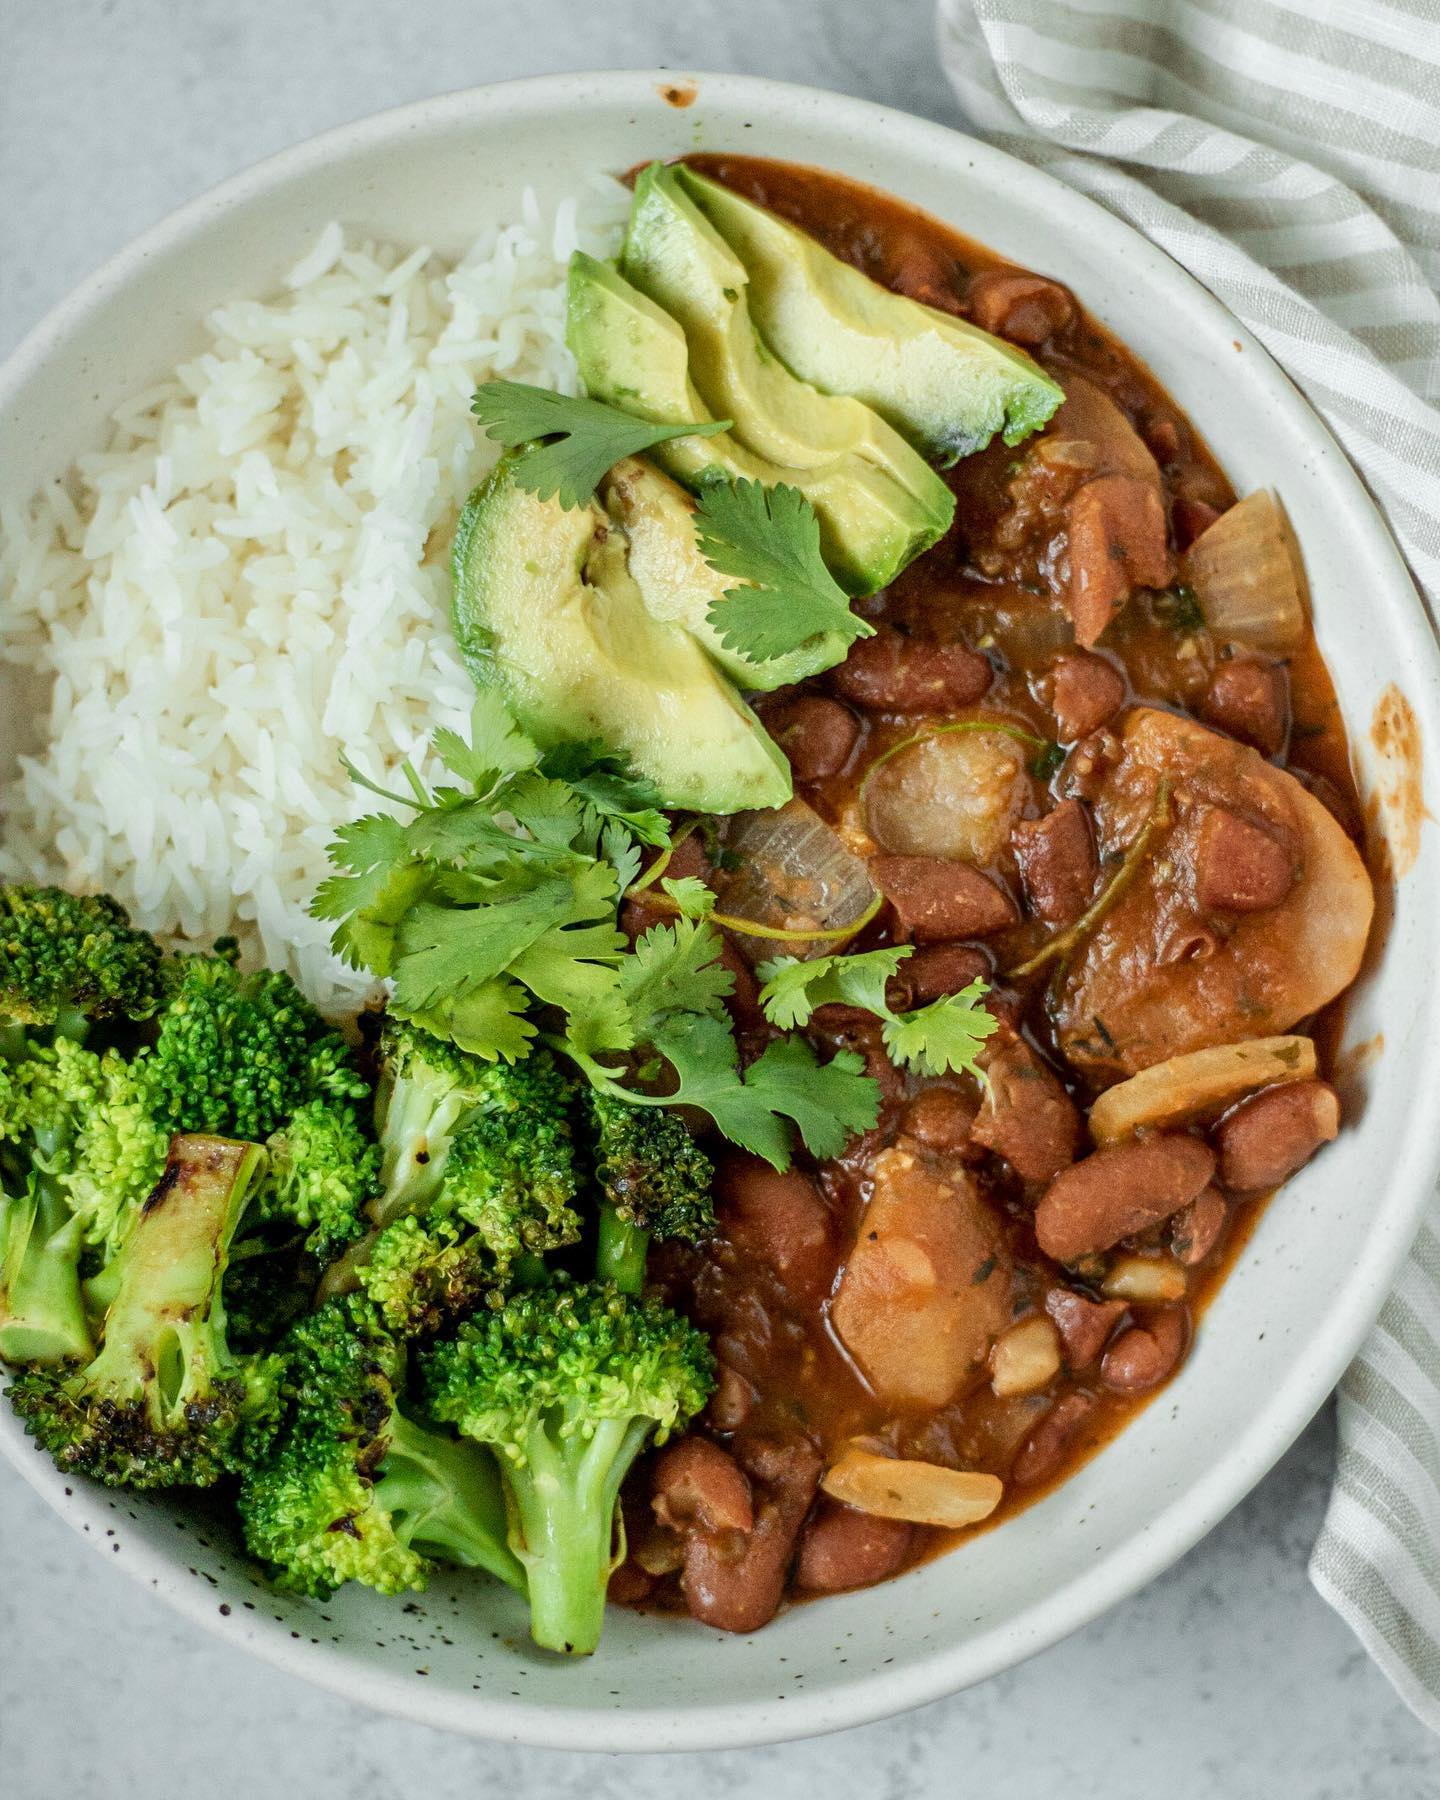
[(695, 1485), (1051, 1440), (1265, 1140), (940, 1118), (891, 672), (1336, 802), (1239, 867), (1086, 693), (1190, 519), (1118, 542), (842, 1548), (816, 734), (1116, 1192), (1027, 309), (1084, 1324), (1249, 699), (1143, 1356), (733, 1400), (1026, 1116), (1195, 1230), (935, 971), (1058, 864), (629, 1584), (779, 1220), (735, 1580), (935, 899)]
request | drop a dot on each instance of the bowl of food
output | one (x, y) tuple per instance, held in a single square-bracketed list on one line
[(751, 834)]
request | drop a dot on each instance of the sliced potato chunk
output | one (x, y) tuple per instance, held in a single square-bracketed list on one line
[(924, 1493), (1203, 1081)]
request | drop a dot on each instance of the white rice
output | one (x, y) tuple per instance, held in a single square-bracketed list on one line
[(252, 576)]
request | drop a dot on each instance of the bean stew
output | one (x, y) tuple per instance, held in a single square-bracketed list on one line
[(1092, 757)]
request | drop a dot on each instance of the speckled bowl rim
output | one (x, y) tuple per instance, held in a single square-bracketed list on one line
[(1180, 1524)]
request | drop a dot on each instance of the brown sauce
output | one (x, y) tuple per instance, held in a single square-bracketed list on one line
[(803, 1381)]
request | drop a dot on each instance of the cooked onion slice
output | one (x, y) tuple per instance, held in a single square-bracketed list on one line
[(1245, 576), (1144, 1280), (1204, 1081), (795, 876), (1026, 1358), (954, 791), (924, 1493)]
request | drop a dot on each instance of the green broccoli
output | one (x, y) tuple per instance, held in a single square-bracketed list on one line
[(567, 1384), (353, 1490), (92, 1129), (42, 1313), (240, 1054), (417, 1274), (165, 1402), (477, 1175), (518, 1152), (655, 1182), (81, 1156), (323, 1169), (67, 960)]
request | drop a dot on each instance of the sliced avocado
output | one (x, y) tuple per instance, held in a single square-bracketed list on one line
[(948, 386), (679, 586), (547, 611), (631, 353)]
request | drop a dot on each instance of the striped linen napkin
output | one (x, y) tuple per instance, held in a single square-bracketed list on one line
[(1287, 153)]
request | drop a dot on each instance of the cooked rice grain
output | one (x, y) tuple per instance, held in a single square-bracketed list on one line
[(252, 576)]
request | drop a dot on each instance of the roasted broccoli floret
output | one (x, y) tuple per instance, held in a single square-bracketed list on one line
[(91, 1127), (165, 1402), (655, 1182), (567, 1384), (517, 1158), (353, 1490), (323, 1169), (81, 1154), (241, 1054), (477, 1174), (67, 960), (418, 1274)]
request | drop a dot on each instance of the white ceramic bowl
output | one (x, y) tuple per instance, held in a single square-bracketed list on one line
[(1317, 1269)]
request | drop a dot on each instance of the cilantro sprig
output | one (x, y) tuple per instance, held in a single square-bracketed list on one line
[(492, 909), (769, 537), (576, 442), (948, 1034)]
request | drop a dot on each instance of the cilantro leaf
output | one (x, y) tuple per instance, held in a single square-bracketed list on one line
[(793, 989), (690, 894), (828, 1102), (770, 538), (947, 1034), (497, 745), (490, 1021), (675, 968), (606, 783), (577, 442), (370, 849)]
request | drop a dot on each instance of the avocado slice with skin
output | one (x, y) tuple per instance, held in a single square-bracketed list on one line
[(947, 385), (548, 613), (657, 517), (633, 355)]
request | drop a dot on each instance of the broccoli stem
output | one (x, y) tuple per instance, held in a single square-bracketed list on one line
[(446, 1499), (621, 1250), (42, 1314), (566, 1500)]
